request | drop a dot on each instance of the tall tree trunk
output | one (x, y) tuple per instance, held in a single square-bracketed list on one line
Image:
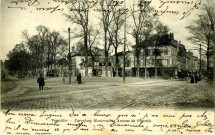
[(137, 56), (156, 70), (64, 72), (27, 71), (208, 55), (116, 63), (156, 60), (93, 64), (48, 69), (145, 64), (41, 66), (106, 55), (55, 70), (52, 60), (48, 63), (86, 55)]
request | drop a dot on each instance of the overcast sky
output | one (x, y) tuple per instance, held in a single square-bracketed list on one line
[(15, 20)]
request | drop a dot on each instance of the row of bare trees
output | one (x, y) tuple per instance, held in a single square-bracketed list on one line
[(49, 47), (111, 20)]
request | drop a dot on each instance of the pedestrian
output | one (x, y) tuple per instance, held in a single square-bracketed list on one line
[(79, 78), (196, 78), (199, 76), (41, 82), (191, 78), (63, 80)]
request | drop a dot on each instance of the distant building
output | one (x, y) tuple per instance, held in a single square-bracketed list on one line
[(172, 61), (129, 58), (192, 63), (96, 62)]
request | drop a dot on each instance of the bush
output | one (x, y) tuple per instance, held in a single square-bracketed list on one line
[(5, 76), (4, 73)]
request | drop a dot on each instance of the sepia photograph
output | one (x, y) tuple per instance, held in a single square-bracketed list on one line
[(100, 55)]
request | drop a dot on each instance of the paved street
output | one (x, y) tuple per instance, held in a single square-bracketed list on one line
[(109, 93)]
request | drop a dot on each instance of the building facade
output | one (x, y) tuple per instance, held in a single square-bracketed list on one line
[(172, 59)]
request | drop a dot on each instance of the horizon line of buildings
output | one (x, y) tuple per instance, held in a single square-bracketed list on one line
[(173, 59)]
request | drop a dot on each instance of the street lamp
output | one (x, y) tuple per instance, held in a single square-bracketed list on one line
[(69, 58)]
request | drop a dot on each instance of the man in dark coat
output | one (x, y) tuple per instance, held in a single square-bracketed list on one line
[(196, 78), (41, 82), (191, 78), (79, 78)]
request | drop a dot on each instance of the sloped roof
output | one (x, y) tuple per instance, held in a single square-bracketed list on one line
[(164, 40), (121, 53)]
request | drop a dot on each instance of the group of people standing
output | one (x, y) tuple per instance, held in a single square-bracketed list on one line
[(41, 81), (79, 80), (195, 77)]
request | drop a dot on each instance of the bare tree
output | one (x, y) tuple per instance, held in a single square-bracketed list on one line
[(114, 34), (37, 46), (147, 33), (202, 30), (140, 14), (42, 34), (160, 30), (106, 19), (93, 44), (62, 60), (44, 47), (56, 41), (80, 15)]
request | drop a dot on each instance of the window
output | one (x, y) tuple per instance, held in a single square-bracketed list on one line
[(147, 62), (151, 52), (174, 62), (127, 63), (159, 62), (152, 62), (166, 51), (173, 52), (96, 63), (166, 62)]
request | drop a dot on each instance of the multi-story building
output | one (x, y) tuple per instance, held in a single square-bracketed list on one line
[(171, 60), (166, 59)]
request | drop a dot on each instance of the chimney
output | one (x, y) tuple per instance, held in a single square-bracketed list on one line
[(171, 35), (178, 44)]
